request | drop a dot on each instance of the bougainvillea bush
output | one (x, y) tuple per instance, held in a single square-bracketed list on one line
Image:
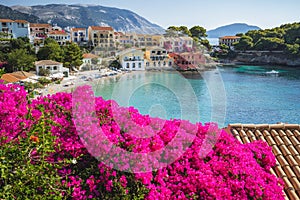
[(75, 146)]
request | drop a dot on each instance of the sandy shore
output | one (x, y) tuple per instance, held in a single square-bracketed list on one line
[(80, 78)]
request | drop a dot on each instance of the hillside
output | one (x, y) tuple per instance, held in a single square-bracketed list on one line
[(231, 29), (7, 12), (88, 15)]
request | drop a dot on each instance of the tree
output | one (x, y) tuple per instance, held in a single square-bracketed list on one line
[(115, 64), (44, 72), (245, 43), (73, 55), (51, 51), (206, 43), (198, 32), (183, 30), (270, 44), (19, 59)]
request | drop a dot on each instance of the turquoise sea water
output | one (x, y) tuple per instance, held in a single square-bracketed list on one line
[(231, 94)]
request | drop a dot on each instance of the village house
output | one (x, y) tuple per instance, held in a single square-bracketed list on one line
[(188, 60), (53, 67), (132, 59), (177, 44), (157, 57), (90, 61), (14, 28), (39, 32), (78, 35), (229, 41), (60, 37), (102, 37)]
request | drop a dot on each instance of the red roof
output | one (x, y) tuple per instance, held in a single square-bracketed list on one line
[(57, 33), (102, 28), (21, 21), (40, 25), (230, 37), (89, 55), (6, 20), (78, 29)]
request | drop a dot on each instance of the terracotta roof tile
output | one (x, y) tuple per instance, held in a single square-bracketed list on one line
[(9, 78), (40, 25), (102, 28), (47, 62), (57, 33), (78, 29), (21, 21), (285, 142), (6, 20)]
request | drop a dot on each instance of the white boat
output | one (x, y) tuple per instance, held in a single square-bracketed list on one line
[(272, 72)]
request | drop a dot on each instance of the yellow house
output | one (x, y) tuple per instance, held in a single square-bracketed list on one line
[(101, 36), (157, 57)]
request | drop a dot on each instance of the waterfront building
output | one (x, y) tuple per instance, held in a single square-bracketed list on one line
[(157, 57), (78, 35), (229, 41), (188, 60), (132, 59), (53, 67), (14, 28)]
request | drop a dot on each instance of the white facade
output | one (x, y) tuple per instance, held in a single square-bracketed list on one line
[(132, 60), (15, 29), (61, 37), (53, 66)]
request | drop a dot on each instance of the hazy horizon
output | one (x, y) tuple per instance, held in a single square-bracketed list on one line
[(210, 15)]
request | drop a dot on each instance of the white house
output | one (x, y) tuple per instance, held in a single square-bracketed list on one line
[(78, 35), (14, 28), (60, 36), (53, 66), (132, 59)]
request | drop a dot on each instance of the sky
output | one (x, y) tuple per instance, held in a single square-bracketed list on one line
[(209, 14)]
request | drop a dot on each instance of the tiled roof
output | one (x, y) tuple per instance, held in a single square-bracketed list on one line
[(47, 62), (101, 28), (21, 21), (230, 37), (89, 55), (78, 29), (40, 25), (22, 74), (57, 33), (285, 142), (6, 20), (9, 78)]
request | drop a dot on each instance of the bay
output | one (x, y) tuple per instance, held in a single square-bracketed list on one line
[(231, 94)]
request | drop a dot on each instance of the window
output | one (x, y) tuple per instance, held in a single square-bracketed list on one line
[(140, 65), (133, 65), (127, 65), (54, 67)]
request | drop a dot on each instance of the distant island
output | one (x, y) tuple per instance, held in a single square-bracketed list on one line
[(231, 29)]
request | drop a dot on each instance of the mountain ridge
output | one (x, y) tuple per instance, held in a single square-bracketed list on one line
[(84, 15), (231, 29)]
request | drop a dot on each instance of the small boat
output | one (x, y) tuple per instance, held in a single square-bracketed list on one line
[(272, 72)]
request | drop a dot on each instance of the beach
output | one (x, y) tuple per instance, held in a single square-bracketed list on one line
[(68, 84)]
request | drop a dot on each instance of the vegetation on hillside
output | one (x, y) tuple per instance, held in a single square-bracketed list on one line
[(285, 38), (198, 33), (20, 54)]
